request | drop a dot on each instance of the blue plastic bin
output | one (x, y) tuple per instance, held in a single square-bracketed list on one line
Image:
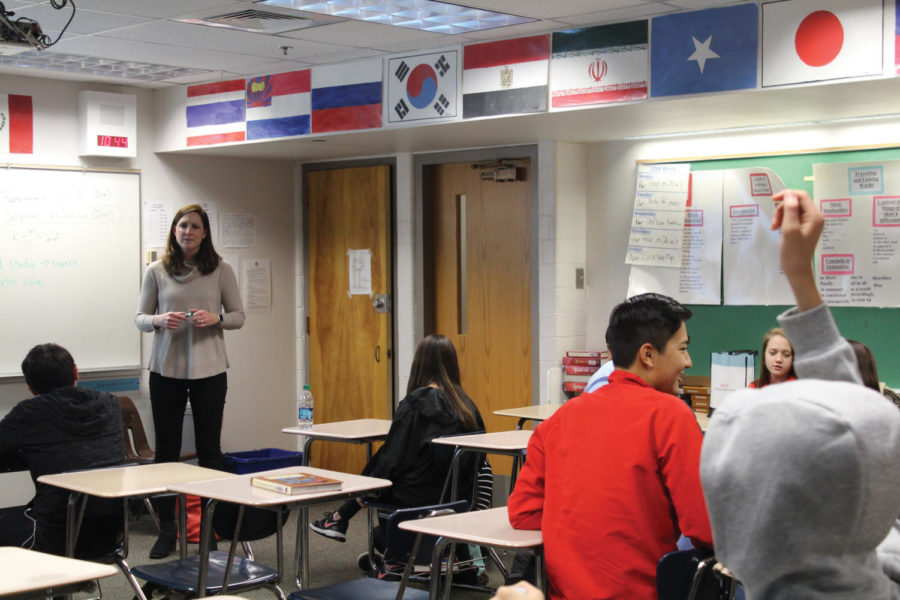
[(264, 459)]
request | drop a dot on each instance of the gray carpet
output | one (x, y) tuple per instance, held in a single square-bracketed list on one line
[(330, 561)]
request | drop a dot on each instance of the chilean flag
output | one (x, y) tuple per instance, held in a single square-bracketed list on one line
[(815, 40), (16, 124)]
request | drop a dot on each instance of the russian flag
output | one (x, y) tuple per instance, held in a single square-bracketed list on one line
[(16, 124), (346, 96), (278, 105), (215, 112)]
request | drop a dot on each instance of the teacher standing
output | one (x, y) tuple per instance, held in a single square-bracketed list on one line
[(187, 300)]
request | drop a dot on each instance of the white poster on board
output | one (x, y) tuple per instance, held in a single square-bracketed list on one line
[(858, 256), (657, 223), (750, 263), (697, 281), (729, 372)]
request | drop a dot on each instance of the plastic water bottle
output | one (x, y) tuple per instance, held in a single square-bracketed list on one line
[(305, 411)]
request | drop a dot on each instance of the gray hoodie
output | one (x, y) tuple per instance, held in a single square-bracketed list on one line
[(802, 479)]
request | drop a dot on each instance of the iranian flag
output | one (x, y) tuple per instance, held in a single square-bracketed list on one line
[(16, 125), (596, 65)]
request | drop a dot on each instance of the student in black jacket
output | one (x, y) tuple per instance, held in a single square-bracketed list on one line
[(435, 405), (63, 428)]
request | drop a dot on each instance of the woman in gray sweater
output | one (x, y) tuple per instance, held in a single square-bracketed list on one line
[(187, 300)]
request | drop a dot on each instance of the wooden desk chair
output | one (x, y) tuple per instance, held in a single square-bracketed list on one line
[(137, 448)]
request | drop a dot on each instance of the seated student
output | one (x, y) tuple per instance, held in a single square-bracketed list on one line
[(63, 428), (612, 478), (866, 363), (600, 377), (435, 405), (802, 480), (778, 359)]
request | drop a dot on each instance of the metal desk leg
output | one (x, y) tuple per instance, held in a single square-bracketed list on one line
[(434, 587), (204, 546), (182, 525), (301, 549), (305, 460)]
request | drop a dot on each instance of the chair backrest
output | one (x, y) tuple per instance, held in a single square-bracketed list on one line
[(257, 523), (399, 542), (137, 448), (675, 572)]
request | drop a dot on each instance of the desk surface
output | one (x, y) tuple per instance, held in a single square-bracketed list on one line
[(703, 420), (136, 480), (28, 570), (238, 489), (488, 527), (500, 440), (535, 412), (358, 429)]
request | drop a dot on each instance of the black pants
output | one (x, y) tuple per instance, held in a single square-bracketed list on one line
[(168, 399)]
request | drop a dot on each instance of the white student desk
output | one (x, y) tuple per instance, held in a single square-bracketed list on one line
[(237, 489), (508, 443), (481, 527), (535, 412), (358, 431), (30, 574), (123, 482)]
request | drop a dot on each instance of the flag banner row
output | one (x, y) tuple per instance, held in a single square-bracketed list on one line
[(743, 46)]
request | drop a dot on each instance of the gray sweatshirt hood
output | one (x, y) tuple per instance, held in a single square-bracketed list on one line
[(802, 481)]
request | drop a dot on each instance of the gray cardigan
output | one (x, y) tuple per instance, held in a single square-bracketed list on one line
[(189, 352)]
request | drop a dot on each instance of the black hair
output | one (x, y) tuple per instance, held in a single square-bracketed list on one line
[(865, 360), (47, 367), (207, 258), (646, 318), (435, 362)]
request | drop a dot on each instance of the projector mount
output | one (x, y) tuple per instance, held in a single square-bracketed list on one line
[(25, 31)]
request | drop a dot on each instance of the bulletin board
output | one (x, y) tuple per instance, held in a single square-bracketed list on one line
[(724, 328), (70, 266)]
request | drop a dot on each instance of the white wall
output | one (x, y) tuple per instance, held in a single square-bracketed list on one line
[(261, 379)]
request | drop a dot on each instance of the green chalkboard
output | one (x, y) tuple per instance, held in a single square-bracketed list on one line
[(724, 328)]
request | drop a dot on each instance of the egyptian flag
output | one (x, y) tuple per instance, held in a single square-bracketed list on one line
[(595, 65), (815, 40), (16, 124), (506, 77)]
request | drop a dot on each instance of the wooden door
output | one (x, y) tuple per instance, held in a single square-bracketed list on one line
[(350, 344), (478, 283)]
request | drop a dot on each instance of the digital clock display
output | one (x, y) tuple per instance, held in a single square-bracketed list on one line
[(112, 141)]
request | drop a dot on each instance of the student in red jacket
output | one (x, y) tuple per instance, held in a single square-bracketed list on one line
[(612, 479)]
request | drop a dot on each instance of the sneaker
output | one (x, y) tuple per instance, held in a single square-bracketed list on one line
[(336, 530)]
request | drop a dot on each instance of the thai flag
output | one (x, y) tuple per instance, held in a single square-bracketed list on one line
[(278, 105), (346, 96), (16, 124), (215, 112)]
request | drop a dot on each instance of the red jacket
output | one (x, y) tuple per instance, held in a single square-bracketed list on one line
[(611, 480)]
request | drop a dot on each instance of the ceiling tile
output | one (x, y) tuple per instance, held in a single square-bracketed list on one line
[(158, 9), (359, 33), (85, 21), (542, 9)]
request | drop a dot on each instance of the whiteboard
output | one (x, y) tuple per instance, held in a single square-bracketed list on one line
[(70, 266)]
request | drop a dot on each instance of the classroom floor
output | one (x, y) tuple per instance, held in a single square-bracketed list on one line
[(330, 561)]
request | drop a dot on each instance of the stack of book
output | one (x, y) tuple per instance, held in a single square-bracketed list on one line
[(578, 366), (295, 483)]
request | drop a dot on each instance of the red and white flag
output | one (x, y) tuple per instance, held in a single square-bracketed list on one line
[(814, 40), (16, 124)]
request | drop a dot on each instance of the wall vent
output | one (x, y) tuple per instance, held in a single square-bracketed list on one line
[(260, 21)]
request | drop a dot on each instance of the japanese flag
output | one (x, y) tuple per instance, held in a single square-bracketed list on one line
[(813, 40)]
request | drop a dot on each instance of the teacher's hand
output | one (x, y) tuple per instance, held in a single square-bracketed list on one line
[(169, 320), (203, 318)]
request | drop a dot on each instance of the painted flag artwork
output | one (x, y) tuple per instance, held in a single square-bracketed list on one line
[(815, 40), (423, 87), (215, 112), (346, 96), (278, 105), (597, 65), (506, 77), (703, 51), (897, 42), (16, 124)]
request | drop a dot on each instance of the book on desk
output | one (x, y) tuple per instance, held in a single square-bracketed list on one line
[(295, 483)]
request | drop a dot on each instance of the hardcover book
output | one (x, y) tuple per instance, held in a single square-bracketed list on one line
[(295, 483)]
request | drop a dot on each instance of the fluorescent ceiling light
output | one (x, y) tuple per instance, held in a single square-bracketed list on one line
[(92, 65), (426, 15)]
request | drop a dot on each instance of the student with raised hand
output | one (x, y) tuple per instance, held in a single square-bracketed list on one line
[(612, 478), (802, 480), (777, 359), (187, 301)]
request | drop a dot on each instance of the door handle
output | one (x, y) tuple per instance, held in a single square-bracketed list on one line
[(378, 354)]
